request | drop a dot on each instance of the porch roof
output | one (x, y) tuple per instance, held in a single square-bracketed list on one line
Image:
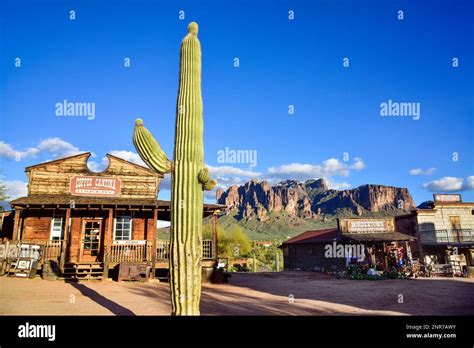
[(64, 201), (377, 237)]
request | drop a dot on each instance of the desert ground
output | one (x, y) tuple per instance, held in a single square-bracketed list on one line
[(284, 293)]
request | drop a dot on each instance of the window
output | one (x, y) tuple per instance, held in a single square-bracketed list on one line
[(57, 226), (455, 222), (123, 227)]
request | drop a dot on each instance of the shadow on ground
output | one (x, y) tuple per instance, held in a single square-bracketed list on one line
[(115, 308)]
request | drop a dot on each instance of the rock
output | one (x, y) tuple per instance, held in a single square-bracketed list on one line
[(313, 198)]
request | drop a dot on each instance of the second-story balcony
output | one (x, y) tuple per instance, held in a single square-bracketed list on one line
[(448, 237)]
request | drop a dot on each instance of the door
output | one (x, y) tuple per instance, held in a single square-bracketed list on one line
[(455, 228), (90, 244)]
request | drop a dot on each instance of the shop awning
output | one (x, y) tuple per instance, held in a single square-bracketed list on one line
[(64, 201), (377, 237)]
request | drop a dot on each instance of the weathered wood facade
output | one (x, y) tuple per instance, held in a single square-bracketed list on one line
[(445, 231), (331, 249), (96, 221)]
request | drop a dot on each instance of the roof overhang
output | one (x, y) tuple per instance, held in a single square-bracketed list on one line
[(66, 201)]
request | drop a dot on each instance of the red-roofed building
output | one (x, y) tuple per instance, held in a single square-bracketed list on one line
[(373, 240), (306, 251)]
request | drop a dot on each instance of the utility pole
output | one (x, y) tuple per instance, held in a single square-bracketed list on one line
[(277, 261), (254, 264)]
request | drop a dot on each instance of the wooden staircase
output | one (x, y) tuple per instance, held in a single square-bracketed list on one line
[(83, 271)]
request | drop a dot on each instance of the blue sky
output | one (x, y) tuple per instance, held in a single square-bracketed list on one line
[(282, 62)]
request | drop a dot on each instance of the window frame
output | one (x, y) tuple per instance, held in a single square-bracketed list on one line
[(55, 217), (118, 216)]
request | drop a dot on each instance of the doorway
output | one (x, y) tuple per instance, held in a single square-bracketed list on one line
[(90, 243)]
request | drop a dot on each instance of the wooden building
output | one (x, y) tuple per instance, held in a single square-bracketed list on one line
[(6, 224), (377, 240), (89, 223), (445, 231)]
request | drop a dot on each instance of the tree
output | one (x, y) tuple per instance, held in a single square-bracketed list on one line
[(234, 243), (3, 193)]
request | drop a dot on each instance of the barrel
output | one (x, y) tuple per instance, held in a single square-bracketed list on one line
[(50, 270)]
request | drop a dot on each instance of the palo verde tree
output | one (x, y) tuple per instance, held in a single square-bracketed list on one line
[(3, 192), (189, 178)]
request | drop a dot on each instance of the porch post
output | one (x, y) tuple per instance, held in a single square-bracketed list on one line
[(64, 243), (406, 251), (153, 243), (385, 255), (107, 241), (16, 224), (214, 236)]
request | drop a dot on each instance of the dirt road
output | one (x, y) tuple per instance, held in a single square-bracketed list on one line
[(285, 293)]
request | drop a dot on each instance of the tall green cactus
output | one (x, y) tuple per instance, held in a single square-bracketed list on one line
[(189, 178)]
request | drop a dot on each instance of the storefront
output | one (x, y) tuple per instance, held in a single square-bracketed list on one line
[(385, 248), (373, 241), (445, 231), (89, 223)]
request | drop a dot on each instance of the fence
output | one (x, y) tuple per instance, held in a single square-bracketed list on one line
[(42, 250), (453, 236)]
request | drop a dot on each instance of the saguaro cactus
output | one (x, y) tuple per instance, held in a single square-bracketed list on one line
[(189, 178)]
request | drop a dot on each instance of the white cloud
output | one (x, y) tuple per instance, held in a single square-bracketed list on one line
[(447, 183), (15, 189), (57, 147), (162, 223), (358, 164), (98, 167), (227, 176), (469, 184), (128, 156), (54, 146), (338, 185), (450, 183), (166, 182), (224, 171), (6, 151), (304, 171), (419, 171)]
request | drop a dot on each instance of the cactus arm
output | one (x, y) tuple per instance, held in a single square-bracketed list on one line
[(203, 175), (205, 179), (209, 186), (149, 149)]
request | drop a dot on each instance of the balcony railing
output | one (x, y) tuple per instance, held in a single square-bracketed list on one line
[(452, 236), (163, 250), (117, 253)]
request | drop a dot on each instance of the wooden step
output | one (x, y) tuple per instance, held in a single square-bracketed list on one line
[(83, 271)]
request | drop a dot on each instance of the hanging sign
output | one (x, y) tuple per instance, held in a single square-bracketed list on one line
[(95, 186), (447, 198)]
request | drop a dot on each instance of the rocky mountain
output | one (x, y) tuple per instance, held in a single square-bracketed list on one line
[(311, 200)]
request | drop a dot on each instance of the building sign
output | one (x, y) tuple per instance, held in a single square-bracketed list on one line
[(447, 198), (95, 186), (129, 242), (365, 226)]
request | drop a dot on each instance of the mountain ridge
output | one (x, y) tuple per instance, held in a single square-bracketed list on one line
[(312, 199)]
